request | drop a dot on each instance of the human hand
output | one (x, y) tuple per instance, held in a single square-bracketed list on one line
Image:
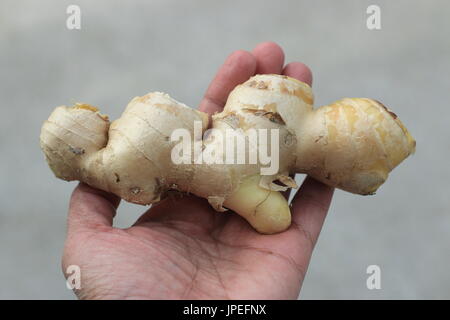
[(182, 248)]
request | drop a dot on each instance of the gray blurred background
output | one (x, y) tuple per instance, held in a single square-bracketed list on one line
[(128, 48)]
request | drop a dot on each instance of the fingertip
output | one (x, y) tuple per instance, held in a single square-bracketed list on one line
[(299, 71), (269, 57), (90, 208), (242, 61), (269, 46), (83, 191), (238, 67)]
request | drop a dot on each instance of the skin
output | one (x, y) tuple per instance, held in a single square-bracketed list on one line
[(181, 248)]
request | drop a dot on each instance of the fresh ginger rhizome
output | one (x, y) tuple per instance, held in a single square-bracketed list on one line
[(351, 144)]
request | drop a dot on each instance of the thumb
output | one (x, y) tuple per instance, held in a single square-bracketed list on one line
[(90, 208)]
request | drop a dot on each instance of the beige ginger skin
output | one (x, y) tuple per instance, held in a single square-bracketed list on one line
[(351, 144)]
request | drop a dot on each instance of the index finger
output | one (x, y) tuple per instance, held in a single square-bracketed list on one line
[(237, 68)]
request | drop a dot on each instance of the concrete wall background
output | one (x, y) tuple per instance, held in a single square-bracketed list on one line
[(128, 48)]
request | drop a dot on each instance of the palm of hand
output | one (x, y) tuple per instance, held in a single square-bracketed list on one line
[(181, 248)]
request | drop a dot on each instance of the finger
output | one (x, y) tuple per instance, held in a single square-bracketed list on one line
[(310, 206), (90, 208), (238, 67), (269, 57), (299, 71)]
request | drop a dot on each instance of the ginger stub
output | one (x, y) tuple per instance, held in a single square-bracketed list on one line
[(351, 144)]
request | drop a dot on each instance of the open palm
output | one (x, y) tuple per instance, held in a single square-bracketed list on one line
[(181, 248)]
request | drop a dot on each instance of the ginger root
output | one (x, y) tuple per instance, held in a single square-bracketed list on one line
[(351, 144)]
